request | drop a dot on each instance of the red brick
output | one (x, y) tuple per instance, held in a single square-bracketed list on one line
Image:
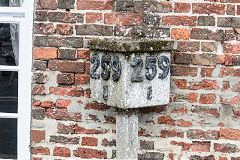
[(90, 153), (94, 5), (223, 158), (97, 106), (62, 152), (188, 46), (167, 120), (236, 87), (208, 8), (89, 141), (183, 71), (209, 98), (82, 130), (110, 119), (231, 48), (179, 110), (62, 103), (46, 4), (182, 7), (64, 29), (179, 20), (65, 129), (66, 66), (180, 33), (88, 67), (206, 71), (45, 53), (40, 150), (83, 54), (227, 133), (144, 132), (184, 123), (200, 146), (65, 78), (180, 83), (37, 136), (205, 111), (225, 148), (225, 85), (123, 18), (192, 97), (35, 158), (93, 17), (185, 146), (204, 84), (67, 91), (238, 9), (81, 79), (38, 89), (228, 59), (47, 104), (88, 93)]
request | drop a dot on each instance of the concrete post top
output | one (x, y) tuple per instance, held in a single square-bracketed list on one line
[(129, 46)]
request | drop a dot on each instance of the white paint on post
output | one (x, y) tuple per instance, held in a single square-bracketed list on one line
[(127, 135)]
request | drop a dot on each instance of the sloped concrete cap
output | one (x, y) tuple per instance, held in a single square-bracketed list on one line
[(130, 46)]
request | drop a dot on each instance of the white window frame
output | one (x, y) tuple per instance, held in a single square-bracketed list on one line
[(24, 17)]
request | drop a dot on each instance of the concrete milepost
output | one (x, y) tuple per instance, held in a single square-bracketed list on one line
[(130, 75)]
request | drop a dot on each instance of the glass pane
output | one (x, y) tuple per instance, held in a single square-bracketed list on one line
[(8, 138), (9, 44), (11, 3), (8, 92)]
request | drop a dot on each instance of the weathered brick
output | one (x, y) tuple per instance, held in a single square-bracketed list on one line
[(206, 21), (232, 22), (225, 148), (46, 4), (200, 146), (185, 146), (205, 59), (67, 91), (189, 46), (124, 6), (152, 7), (40, 65), (151, 156), (89, 141), (83, 54), (123, 18), (94, 5), (90, 153), (182, 7), (151, 19), (208, 47), (108, 143), (183, 71), (172, 133), (147, 145), (93, 17), (209, 98), (39, 78), (63, 114), (230, 9), (206, 71), (182, 58), (227, 133), (66, 4), (81, 79), (179, 20), (64, 29), (38, 89), (62, 152), (208, 8), (66, 17), (226, 71), (67, 54), (65, 129), (204, 34), (167, 120), (97, 106), (40, 16), (204, 135), (38, 114), (180, 33), (65, 78), (82, 130), (66, 66), (196, 157), (231, 48), (64, 140), (180, 83), (45, 53), (44, 28), (40, 150), (94, 29), (62, 103), (37, 136)]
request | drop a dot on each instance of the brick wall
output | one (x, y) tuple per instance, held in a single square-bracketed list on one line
[(202, 120)]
